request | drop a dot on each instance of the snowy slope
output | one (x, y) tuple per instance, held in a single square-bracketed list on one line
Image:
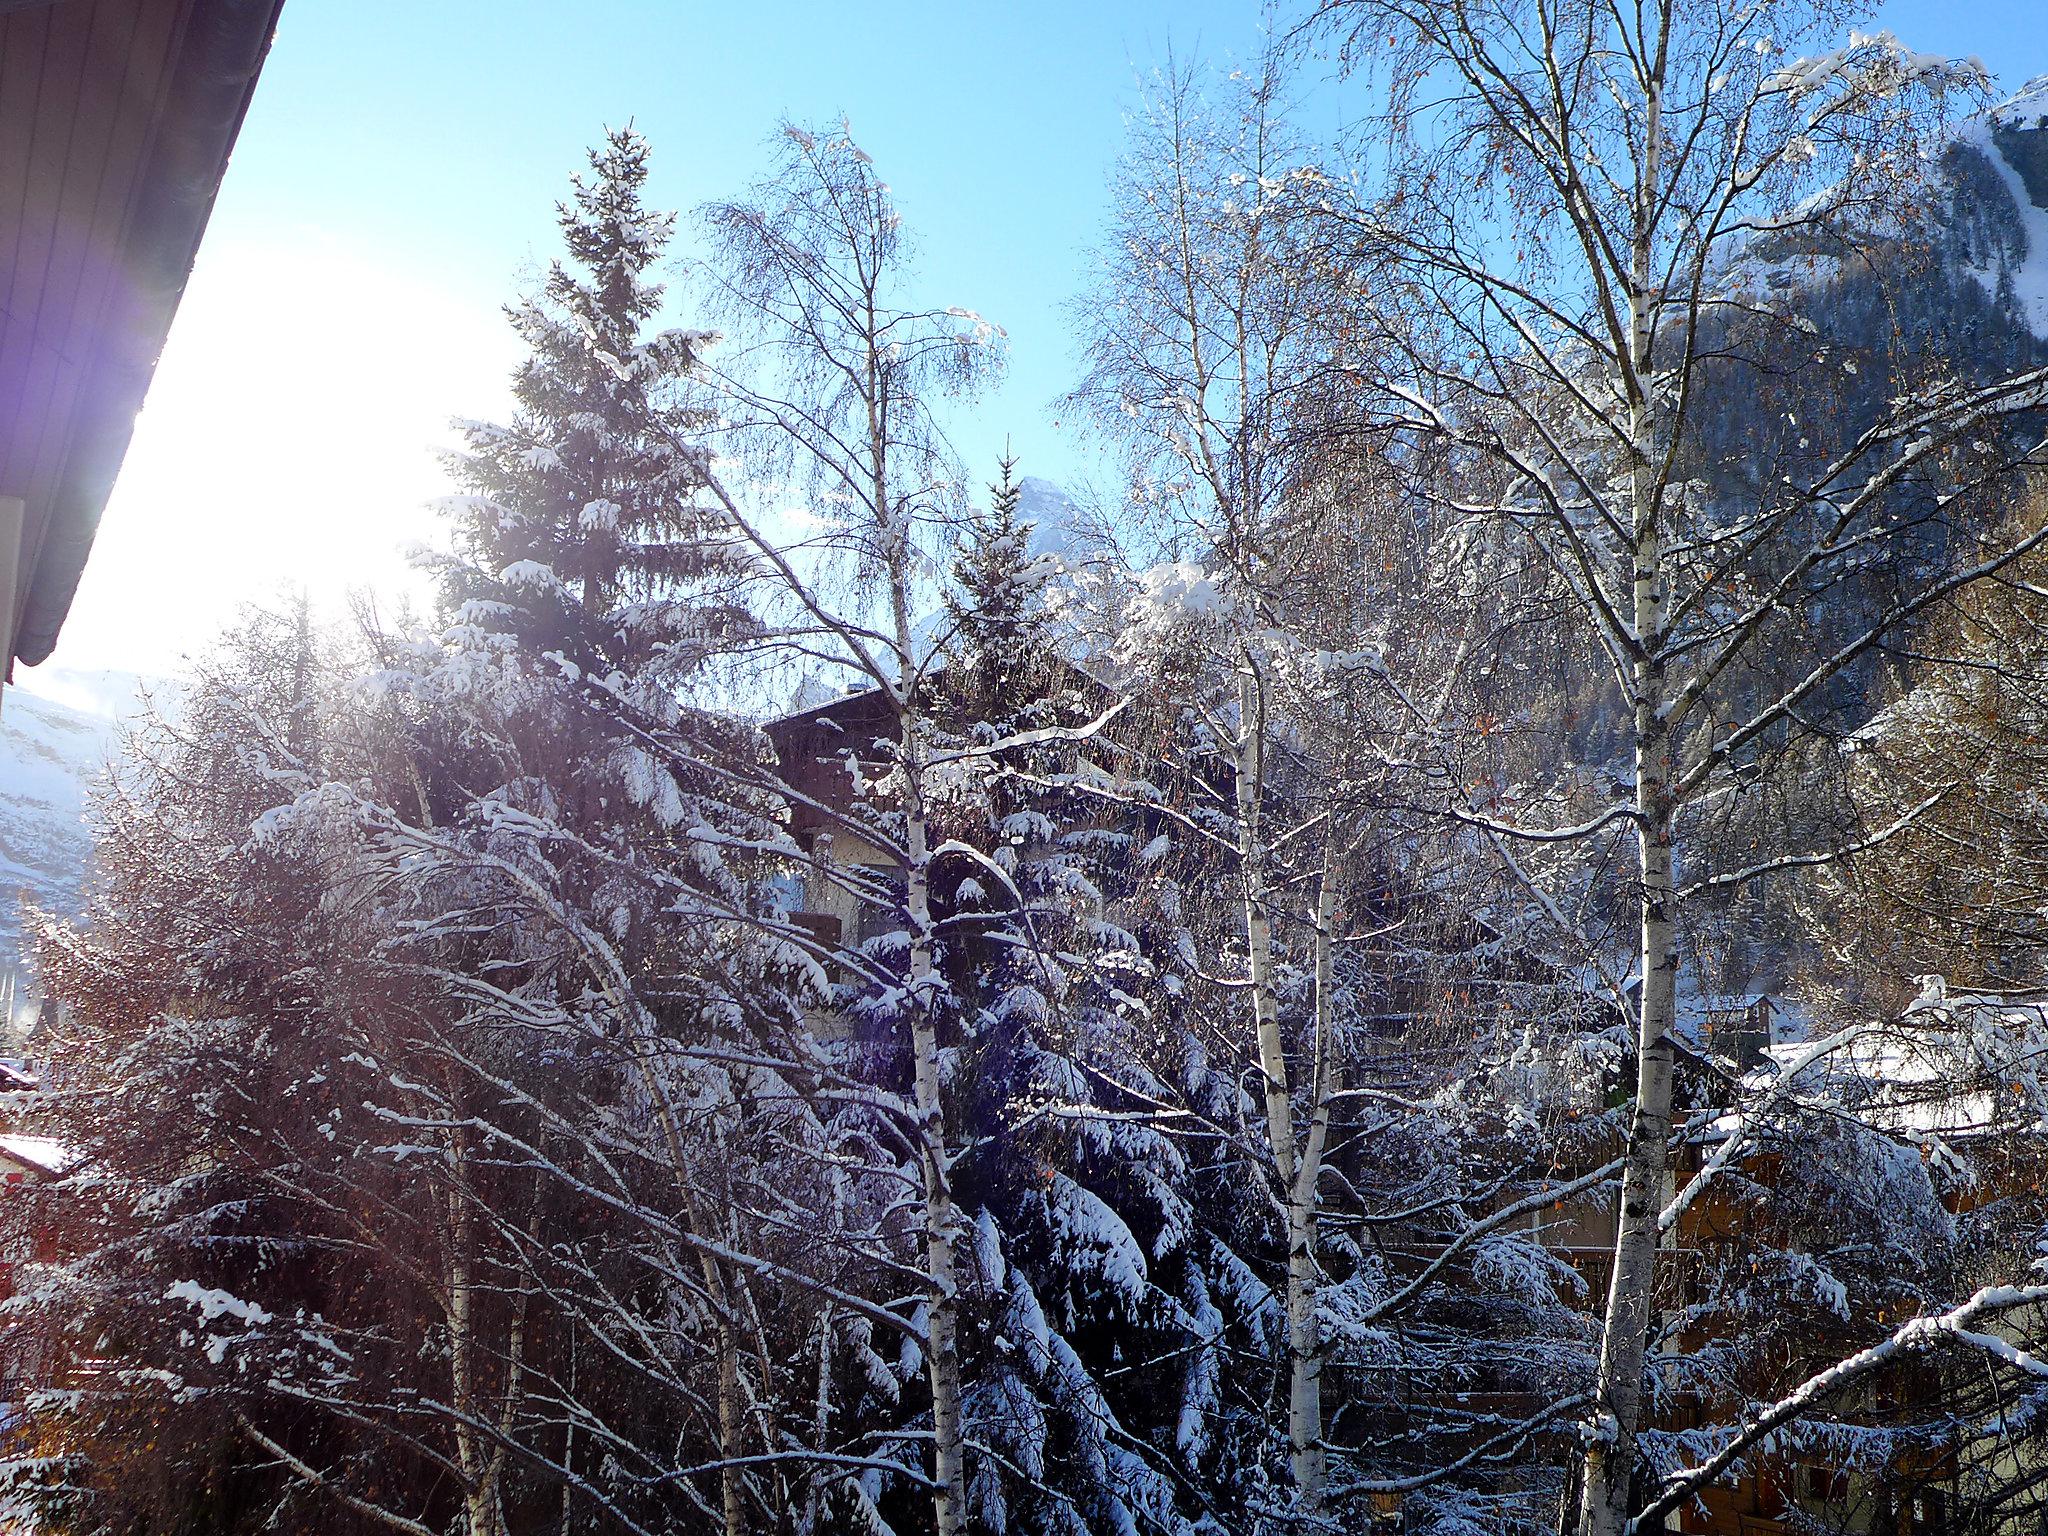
[(58, 731), (2012, 138), (1059, 526)]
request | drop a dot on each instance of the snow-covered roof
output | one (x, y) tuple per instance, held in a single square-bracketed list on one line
[(1953, 1065), (43, 1153)]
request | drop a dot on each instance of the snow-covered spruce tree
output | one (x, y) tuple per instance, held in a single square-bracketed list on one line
[(248, 1283), (608, 819), (546, 1033), (1108, 1305), (401, 1224), (997, 608), (1568, 373), (586, 538)]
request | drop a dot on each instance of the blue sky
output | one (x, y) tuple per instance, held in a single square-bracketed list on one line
[(440, 131), (394, 186)]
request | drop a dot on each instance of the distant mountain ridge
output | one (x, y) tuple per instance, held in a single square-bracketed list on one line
[(59, 730)]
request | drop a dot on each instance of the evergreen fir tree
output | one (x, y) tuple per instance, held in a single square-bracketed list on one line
[(570, 784), (584, 537), (998, 603), (590, 587), (1100, 1305)]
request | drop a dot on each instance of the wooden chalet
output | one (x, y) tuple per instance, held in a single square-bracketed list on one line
[(828, 752), (822, 749)]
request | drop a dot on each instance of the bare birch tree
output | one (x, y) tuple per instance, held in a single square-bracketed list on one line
[(1204, 356), (831, 380), (1223, 355), (1583, 201)]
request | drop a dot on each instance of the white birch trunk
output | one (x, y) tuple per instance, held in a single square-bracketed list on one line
[(941, 1220), (1304, 1363), (731, 1427), (1612, 1458), (1304, 1210), (941, 1347), (478, 1499)]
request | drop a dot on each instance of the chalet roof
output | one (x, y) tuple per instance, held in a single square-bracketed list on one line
[(868, 710), (860, 714), (1953, 1065), (116, 119), (45, 1154)]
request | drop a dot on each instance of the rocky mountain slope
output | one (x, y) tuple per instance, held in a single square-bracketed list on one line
[(2011, 142)]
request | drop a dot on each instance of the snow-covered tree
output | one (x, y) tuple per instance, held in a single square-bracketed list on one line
[(997, 606), (1206, 357), (832, 377), (1291, 669), (260, 1278), (583, 530), (564, 1037), (998, 1008), (1643, 170), (1099, 1197)]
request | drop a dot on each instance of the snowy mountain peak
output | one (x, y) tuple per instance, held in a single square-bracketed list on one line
[(1059, 526), (2025, 108)]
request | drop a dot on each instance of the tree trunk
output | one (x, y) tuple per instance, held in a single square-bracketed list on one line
[(569, 1444), (942, 1354), (731, 1426), (1304, 1210), (1612, 1457), (1304, 1363), (949, 1471), (478, 1499)]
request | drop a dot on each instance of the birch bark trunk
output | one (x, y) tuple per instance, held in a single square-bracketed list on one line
[(1304, 1363), (1612, 1458), (731, 1426), (478, 1501), (942, 1354), (1304, 1211)]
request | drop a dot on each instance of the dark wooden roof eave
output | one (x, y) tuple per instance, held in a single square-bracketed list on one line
[(221, 52)]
